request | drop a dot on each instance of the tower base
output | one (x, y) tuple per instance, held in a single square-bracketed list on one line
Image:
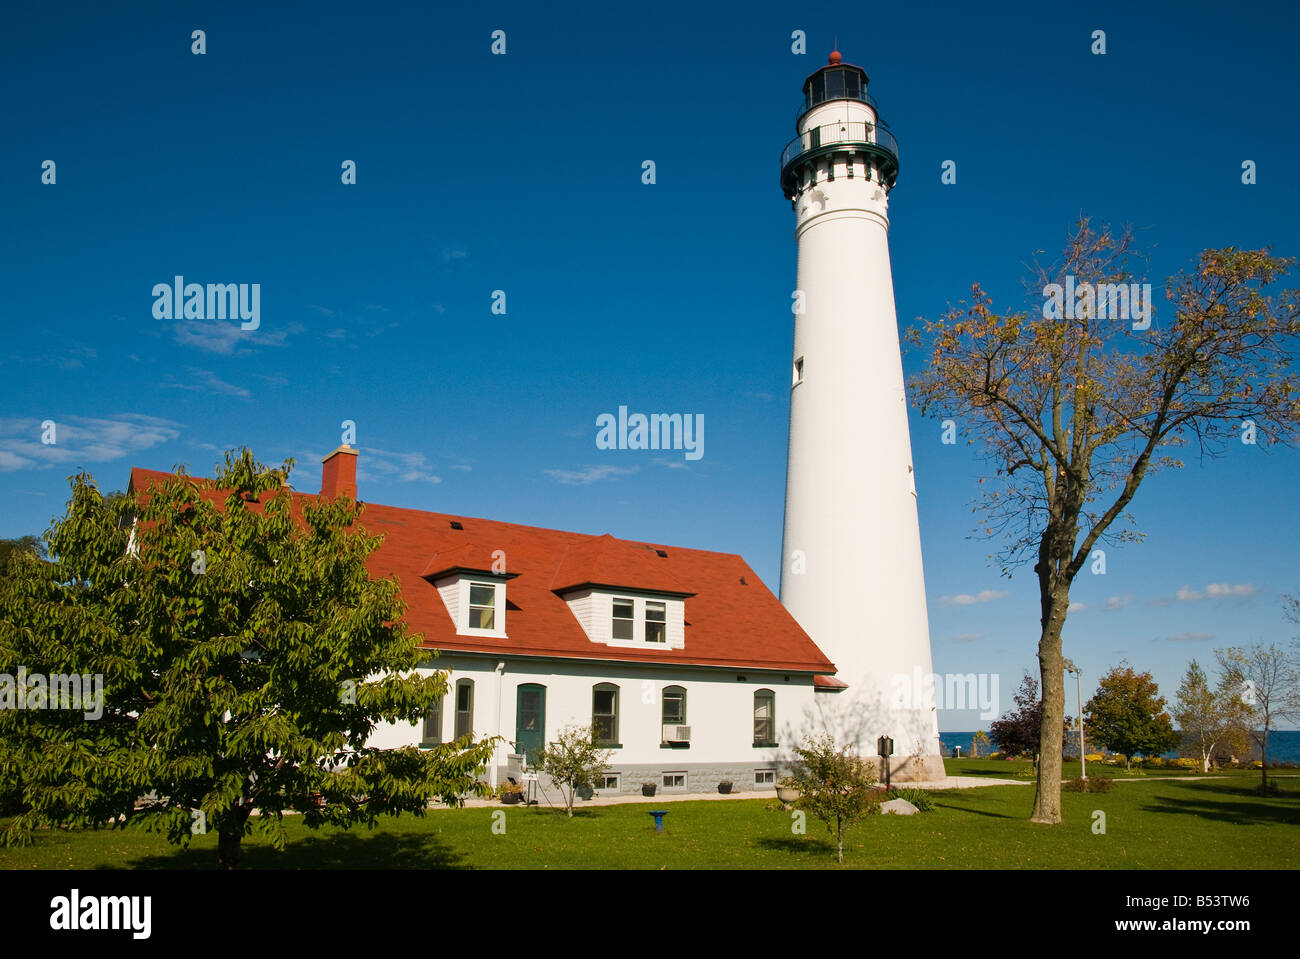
[(905, 769)]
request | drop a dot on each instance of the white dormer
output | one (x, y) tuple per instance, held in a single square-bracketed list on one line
[(475, 601), (630, 619)]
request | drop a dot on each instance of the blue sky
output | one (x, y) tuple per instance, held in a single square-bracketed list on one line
[(522, 173)]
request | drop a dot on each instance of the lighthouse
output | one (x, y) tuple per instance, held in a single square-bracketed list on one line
[(851, 569)]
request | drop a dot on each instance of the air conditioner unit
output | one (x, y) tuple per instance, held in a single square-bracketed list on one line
[(677, 734)]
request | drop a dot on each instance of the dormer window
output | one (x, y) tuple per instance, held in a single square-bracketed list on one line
[(482, 606), (624, 618), (656, 622), (630, 619), (475, 601)]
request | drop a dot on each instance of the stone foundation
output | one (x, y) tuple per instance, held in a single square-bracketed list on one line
[(704, 777), (904, 769)]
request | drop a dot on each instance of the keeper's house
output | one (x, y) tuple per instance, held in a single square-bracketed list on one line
[(682, 661)]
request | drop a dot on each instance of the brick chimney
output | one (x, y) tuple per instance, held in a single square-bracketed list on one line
[(338, 473)]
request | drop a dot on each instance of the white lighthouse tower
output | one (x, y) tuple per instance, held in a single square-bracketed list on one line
[(851, 556)]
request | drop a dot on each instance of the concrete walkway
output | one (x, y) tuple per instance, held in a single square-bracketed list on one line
[(553, 797)]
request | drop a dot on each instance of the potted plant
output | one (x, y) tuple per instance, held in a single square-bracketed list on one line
[(724, 787), (786, 790), (647, 789), (510, 793)]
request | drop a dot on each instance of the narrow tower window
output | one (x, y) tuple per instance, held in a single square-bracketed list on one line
[(798, 372)]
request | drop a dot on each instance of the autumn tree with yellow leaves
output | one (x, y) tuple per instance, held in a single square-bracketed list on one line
[(1074, 408)]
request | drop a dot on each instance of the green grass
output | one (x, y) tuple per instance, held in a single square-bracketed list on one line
[(1210, 824), (1023, 769)]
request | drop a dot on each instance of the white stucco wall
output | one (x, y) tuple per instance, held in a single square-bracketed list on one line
[(719, 708)]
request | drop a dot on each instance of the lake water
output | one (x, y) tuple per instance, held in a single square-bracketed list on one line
[(1283, 745)]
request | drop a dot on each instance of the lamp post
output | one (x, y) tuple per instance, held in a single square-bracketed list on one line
[(1078, 681)]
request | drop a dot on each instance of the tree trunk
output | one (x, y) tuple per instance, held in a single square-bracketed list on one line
[(1047, 795), (230, 837), (1263, 757), (572, 790), (839, 834)]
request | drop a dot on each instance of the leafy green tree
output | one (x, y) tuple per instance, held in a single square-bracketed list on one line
[(1206, 716), (979, 744), (246, 656), (835, 785), (1127, 715), (10, 547), (1075, 408), (574, 760), (1266, 680)]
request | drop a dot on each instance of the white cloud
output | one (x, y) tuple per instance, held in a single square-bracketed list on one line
[(222, 336), (389, 465), (1116, 602), (966, 599), (1216, 591), (589, 475), (205, 381), (80, 440), (1190, 637), (1076, 607)]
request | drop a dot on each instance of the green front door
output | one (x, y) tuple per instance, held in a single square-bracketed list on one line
[(530, 720)]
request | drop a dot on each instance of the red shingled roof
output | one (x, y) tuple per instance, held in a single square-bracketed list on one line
[(728, 623)]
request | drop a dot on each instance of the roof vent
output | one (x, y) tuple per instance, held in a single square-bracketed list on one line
[(662, 553), (742, 581), (455, 524)]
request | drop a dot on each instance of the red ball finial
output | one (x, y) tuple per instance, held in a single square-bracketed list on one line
[(835, 57)]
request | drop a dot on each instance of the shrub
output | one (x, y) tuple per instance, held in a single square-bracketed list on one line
[(1093, 757), (1187, 762), (920, 798), (1093, 784), (995, 755)]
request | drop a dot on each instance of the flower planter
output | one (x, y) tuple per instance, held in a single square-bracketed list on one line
[(647, 789), (786, 794), (724, 788), (512, 799)]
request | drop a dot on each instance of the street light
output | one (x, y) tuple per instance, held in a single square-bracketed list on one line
[(1078, 680)]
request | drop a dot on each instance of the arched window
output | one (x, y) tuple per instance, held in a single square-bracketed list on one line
[(433, 724), (764, 717), (604, 713), (464, 708), (674, 699)]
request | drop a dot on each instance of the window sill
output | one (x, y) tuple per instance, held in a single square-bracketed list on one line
[(674, 745), (609, 745), (766, 745)]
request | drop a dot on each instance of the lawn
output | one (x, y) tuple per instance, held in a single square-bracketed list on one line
[(1024, 769), (1209, 824)]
